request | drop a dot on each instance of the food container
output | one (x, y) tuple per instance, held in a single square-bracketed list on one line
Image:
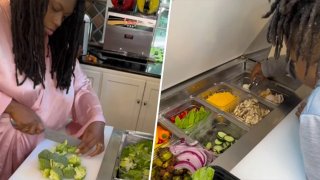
[(182, 111), (263, 85), (207, 132), (172, 137), (129, 138), (241, 97), (227, 90)]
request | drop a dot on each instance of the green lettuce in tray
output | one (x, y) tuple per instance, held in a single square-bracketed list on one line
[(191, 118), (135, 160), (61, 163)]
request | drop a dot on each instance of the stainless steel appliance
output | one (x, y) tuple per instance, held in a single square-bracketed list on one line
[(128, 33)]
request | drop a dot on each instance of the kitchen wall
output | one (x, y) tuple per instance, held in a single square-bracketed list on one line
[(204, 35), (96, 9)]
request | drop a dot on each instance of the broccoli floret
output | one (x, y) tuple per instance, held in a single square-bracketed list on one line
[(59, 161), (62, 148), (74, 160), (80, 173), (55, 174), (69, 172), (72, 149), (127, 164), (45, 154), (45, 173), (44, 164)]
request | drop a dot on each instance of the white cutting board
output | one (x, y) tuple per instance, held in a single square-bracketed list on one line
[(29, 168)]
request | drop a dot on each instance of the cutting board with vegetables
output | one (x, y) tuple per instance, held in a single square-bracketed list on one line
[(29, 169)]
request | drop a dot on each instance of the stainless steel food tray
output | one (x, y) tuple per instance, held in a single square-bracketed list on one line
[(128, 138), (207, 132), (242, 95), (188, 104)]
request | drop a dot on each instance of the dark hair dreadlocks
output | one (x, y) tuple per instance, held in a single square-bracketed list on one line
[(299, 22), (28, 42)]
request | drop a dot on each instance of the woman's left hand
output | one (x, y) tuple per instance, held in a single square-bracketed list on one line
[(93, 137)]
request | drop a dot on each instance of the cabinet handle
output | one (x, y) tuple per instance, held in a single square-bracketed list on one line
[(138, 101), (145, 103)]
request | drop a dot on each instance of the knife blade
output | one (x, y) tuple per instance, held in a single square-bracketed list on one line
[(60, 137)]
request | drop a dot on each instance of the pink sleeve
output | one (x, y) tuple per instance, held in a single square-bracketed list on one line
[(4, 102), (86, 106)]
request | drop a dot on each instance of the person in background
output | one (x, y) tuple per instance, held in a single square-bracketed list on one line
[(41, 82), (297, 24)]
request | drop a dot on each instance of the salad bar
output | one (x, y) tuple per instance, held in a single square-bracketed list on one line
[(216, 118)]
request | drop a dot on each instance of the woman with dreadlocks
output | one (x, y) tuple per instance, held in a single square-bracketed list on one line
[(41, 83), (297, 24)]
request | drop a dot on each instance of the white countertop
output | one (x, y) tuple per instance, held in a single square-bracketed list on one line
[(277, 156)]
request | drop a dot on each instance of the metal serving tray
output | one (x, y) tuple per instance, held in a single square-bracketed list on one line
[(244, 78), (128, 138), (187, 105), (242, 95), (207, 131)]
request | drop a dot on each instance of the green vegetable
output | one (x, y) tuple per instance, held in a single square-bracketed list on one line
[(44, 164), (135, 160), (62, 163), (204, 173), (55, 174), (192, 118), (45, 173), (45, 154), (209, 145), (69, 172), (74, 160), (80, 173)]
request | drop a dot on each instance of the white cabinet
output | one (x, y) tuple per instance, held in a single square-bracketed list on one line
[(149, 107), (95, 78), (129, 101), (121, 100)]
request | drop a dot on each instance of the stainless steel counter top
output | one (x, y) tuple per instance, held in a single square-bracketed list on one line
[(225, 73)]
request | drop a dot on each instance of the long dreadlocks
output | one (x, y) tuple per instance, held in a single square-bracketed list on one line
[(298, 21), (28, 42)]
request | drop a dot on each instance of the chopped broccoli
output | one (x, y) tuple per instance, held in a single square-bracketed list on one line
[(59, 160), (55, 174), (44, 164), (71, 149), (69, 172), (127, 163), (45, 154), (45, 173), (80, 173), (74, 160), (62, 148)]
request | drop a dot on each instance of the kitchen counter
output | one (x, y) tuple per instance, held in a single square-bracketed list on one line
[(125, 63), (278, 155)]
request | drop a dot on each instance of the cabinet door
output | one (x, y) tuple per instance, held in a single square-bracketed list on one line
[(121, 99), (95, 78), (148, 113)]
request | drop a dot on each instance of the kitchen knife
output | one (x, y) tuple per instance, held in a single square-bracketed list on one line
[(60, 137)]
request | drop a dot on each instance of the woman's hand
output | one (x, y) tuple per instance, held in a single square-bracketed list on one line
[(257, 72), (93, 136), (24, 119)]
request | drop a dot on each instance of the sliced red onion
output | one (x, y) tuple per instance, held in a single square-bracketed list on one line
[(190, 154), (194, 160), (185, 165)]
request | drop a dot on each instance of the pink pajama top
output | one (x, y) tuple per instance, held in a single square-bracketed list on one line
[(52, 105)]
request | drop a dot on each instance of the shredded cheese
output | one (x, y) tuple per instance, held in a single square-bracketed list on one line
[(223, 100)]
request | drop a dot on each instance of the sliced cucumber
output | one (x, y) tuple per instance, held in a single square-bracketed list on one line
[(217, 142), (229, 139), (221, 135), (218, 149), (226, 145)]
